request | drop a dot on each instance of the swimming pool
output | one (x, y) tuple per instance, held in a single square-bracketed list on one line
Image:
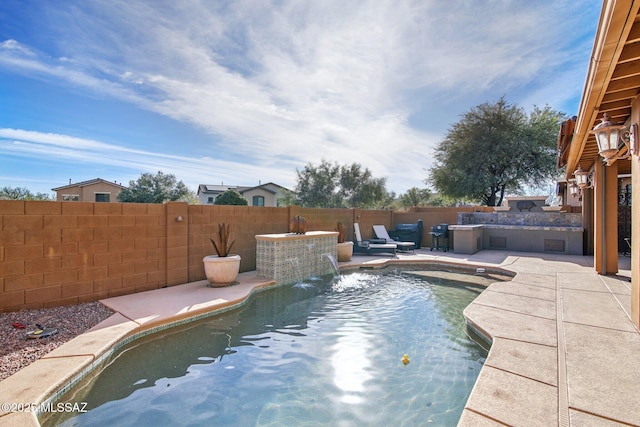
[(317, 353)]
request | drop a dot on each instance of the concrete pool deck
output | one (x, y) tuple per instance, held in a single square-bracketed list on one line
[(564, 349)]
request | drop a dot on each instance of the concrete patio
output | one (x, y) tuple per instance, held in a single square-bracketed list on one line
[(564, 349)]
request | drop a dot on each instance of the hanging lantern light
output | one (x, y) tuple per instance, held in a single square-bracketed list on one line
[(574, 190), (608, 136), (582, 177)]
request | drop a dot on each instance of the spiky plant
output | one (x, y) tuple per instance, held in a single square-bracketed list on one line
[(224, 245)]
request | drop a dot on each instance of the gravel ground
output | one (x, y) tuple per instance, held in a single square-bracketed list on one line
[(16, 351)]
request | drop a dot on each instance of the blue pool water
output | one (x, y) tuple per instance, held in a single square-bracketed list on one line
[(318, 353)]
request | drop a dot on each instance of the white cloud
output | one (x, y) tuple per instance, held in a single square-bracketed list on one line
[(281, 84), (14, 46), (93, 154)]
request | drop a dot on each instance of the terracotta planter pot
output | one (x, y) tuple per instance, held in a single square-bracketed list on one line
[(221, 271), (345, 251)]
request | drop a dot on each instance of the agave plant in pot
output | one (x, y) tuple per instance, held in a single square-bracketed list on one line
[(345, 249), (222, 269)]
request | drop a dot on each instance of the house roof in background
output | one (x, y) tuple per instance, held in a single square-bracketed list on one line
[(218, 189), (87, 183)]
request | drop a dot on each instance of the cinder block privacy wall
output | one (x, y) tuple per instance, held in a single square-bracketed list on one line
[(59, 253)]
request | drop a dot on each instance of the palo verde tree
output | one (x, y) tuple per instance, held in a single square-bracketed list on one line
[(496, 148), (158, 188), (329, 185)]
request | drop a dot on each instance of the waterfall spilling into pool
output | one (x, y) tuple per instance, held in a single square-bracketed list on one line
[(297, 271), (275, 255), (299, 276), (311, 259), (334, 264), (326, 354)]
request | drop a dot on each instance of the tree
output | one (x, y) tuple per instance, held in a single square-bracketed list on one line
[(415, 197), (332, 186), (359, 189), (318, 185), (287, 198), (231, 197), (158, 188), (496, 148), (21, 193)]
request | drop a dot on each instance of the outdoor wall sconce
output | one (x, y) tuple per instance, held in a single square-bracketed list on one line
[(582, 178), (608, 136), (634, 144), (574, 190)]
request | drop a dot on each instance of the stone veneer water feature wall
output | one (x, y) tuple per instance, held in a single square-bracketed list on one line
[(538, 219), (289, 257), (554, 232)]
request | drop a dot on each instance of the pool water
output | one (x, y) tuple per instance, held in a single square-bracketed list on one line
[(318, 353)]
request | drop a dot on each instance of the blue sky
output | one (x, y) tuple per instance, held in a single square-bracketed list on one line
[(243, 92)]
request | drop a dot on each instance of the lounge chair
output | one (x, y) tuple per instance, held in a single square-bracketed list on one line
[(381, 233), (370, 247)]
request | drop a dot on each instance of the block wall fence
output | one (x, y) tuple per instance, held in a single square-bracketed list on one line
[(61, 253)]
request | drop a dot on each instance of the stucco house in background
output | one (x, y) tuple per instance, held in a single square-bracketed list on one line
[(260, 195), (93, 190)]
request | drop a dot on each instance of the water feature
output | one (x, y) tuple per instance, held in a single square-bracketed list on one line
[(297, 271), (274, 250), (310, 260), (334, 264), (326, 354)]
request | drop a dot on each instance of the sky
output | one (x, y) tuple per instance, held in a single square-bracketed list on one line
[(248, 92)]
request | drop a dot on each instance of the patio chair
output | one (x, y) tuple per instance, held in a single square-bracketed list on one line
[(381, 233), (372, 246)]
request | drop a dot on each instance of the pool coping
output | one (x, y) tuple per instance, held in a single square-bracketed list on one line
[(50, 376)]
